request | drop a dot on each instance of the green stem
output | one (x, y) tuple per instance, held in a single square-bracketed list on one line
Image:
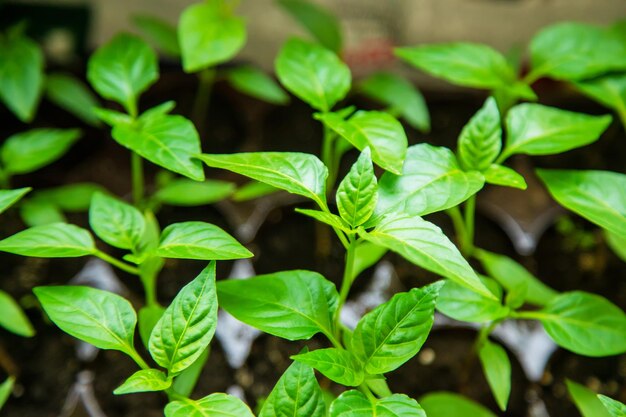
[(484, 333), (457, 221), (138, 179), (347, 278), (342, 237), (138, 359), (5, 180), (200, 110), (528, 315), (328, 157), (470, 211), (116, 262), (148, 279), (368, 393)]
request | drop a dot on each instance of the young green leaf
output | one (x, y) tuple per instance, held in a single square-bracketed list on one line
[(394, 332), (297, 394), (99, 317), (481, 138), (184, 192), (36, 212), (497, 369), (534, 129), (145, 380), (253, 190), (447, 404), (214, 405), (328, 218), (72, 95), (122, 69), (28, 151), (71, 198), (598, 196), (505, 176), (13, 318), (586, 401), (162, 34), (297, 173), (112, 117), (379, 131), (117, 223), (149, 316), (10, 197), (357, 193), (56, 240), (338, 365), (5, 390), (21, 75), (355, 404), (425, 245), (254, 82), (199, 240), (400, 96), (608, 90), (294, 305), (187, 326), (366, 255), (209, 34), (463, 304), (321, 24), (313, 73), (615, 408)]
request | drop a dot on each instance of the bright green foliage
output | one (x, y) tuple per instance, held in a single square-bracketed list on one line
[(608, 90), (481, 138), (447, 404), (117, 223), (328, 218), (497, 368), (366, 255), (187, 326), (357, 193), (5, 390), (297, 394), (145, 380), (586, 401), (462, 304), (379, 131), (122, 69), (209, 34), (70, 198), (56, 240), (615, 408), (293, 305), (162, 34), (313, 73), (394, 332), (336, 364), (254, 82), (534, 129), (185, 192), (28, 151), (401, 97), (69, 93), (503, 175), (355, 404), (21, 74), (101, 318), (214, 405), (321, 24), (12, 318), (10, 197)]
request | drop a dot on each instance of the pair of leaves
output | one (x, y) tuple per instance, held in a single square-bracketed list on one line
[(355, 404)]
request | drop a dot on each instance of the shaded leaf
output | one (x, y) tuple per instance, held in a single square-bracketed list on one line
[(185, 192), (72, 95), (254, 82), (12, 318), (336, 364), (320, 23)]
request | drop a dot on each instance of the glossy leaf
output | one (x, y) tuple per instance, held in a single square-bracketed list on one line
[(56, 240), (294, 305), (497, 369), (70, 198), (256, 83), (312, 73), (214, 405), (481, 138), (355, 404), (161, 33), (28, 151), (187, 326), (608, 90), (145, 380), (615, 408), (185, 192), (297, 173), (320, 23), (505, 176), (328, 218), (357, 192), (10, 197), (5, 390), (446, 404), (394, 332), (117, 223), (463, 304), (335, 364), (122, 69), (425, 245), (534, 129), (209, 34), (72, 95), (12, 318), (99, 317), (586, 401)]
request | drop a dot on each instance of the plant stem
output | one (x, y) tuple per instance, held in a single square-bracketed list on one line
[(116, 262), (5, 181), (347, 278), (457, 221), (328, 157), (470, 211), (138, 179), (368, 393), (206, 79), (148, 278), (138, 359)]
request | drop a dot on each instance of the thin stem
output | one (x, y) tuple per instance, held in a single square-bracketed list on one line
[(342, 237), (470, 212), (138, 179), (116, 262), (347, 278), (484, 333), (148, 278), (328, 157), (457, 221), (368, 393), (138, 359), (5, 180), (206, 79), (528, 315)]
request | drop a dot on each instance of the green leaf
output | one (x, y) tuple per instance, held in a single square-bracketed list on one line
[(402, 98), (56, 240), (586, 401), (598, 196), (534, 129), (447, 404), (617, 243), (184, 192), (161, 33), (21, 75), (170, 141), (328, 218), (431, 180), (187, 326), (394, 332), (355, 404), (497, 369), (199, 240), (615, 408), (71, 198), (145, 380), (320, 23), (297, 394), (462, 304), (209, 34), (253, 190), (297, 173), (5, 390), (313, 73), (10, 197), (503, 175), (294, 305), (481, 138), (149, 316), (99, 317), (117, 223), (425, 245), (254, 82), (28, 151), (379, 131), (608, 90), (186, 381), (338, 365), (13, 318), (574, 51), (585, 323), (72, 95), (122, 69), (511, 275), (465, 64), (214, 405), (112, 117), (36, 212), (357, 192)]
